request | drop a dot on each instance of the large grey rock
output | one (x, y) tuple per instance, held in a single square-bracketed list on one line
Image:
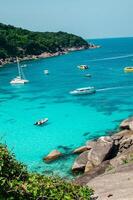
[(125, 143), (80, 162), (89, 166), (127, 124), (52, 156), (117, 184), (99, 152), (86, 177), (80, 149), (124, 157), (123, 139), (121, 134), (118, 160), (91, 144)]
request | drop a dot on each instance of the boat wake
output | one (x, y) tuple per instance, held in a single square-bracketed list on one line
[(113, 88), (113, 58)]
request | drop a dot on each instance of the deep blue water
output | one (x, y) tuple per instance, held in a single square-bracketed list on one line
[(72, 119)]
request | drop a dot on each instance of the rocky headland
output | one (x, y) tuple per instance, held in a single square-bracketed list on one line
[(108, 164), (41, 56), (45, 55)]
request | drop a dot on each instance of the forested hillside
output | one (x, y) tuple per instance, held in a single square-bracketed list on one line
[(20, 42)]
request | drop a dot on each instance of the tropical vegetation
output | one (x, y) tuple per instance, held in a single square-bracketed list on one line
[(16, 183), (20, 42)]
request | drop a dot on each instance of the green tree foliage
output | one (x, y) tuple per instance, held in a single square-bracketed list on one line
[(16, 183), (20, 42)]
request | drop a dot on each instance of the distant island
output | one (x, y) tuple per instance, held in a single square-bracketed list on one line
[(31, 45)]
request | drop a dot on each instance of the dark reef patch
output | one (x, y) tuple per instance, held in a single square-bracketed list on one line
[(10, 120), (64, 148), (86, 134)]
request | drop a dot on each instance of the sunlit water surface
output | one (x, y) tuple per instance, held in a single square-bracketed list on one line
[(72, 119)]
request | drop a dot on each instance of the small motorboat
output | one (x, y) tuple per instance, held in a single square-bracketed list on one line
[(41, 122), (128, 69), (46, 72), (83, 67), (88, 75), (82, 91)]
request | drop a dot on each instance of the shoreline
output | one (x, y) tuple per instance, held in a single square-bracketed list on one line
[(108, 160), (104, 148), (46, 55)]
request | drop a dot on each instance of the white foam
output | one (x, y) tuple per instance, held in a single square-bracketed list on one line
[(113, 88), (113, 58)]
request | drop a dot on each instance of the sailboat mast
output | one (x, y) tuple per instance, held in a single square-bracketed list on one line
[(19, 72)]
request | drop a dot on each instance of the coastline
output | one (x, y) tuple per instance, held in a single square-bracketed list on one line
[(46, 54), (108, 160)]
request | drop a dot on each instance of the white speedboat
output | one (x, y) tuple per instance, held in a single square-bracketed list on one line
[(41, 122), (82, 91), (46, 72), (20, 79)]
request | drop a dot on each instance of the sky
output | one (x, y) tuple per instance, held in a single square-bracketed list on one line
[(86, 18)]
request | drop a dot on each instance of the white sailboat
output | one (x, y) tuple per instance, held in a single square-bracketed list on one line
[(20, 79)]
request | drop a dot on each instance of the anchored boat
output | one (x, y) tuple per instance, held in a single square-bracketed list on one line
[(83, 67), (83, 91), (128, 69), (41, 122), (46, 72), (20, 79)]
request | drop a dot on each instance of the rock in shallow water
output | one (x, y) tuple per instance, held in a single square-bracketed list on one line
[(53, 155), (80, 149)]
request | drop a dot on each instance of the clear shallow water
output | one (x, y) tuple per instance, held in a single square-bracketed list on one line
[(72, 120)]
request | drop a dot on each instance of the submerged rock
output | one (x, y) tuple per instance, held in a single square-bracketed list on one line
[(52, 156)]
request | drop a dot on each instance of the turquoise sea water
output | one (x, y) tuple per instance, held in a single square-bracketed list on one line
[(72, 119)]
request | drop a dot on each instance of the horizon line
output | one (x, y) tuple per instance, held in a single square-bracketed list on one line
[(112, 37)]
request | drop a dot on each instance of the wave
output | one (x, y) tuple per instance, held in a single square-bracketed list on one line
[(113, 58), (113, 88)]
